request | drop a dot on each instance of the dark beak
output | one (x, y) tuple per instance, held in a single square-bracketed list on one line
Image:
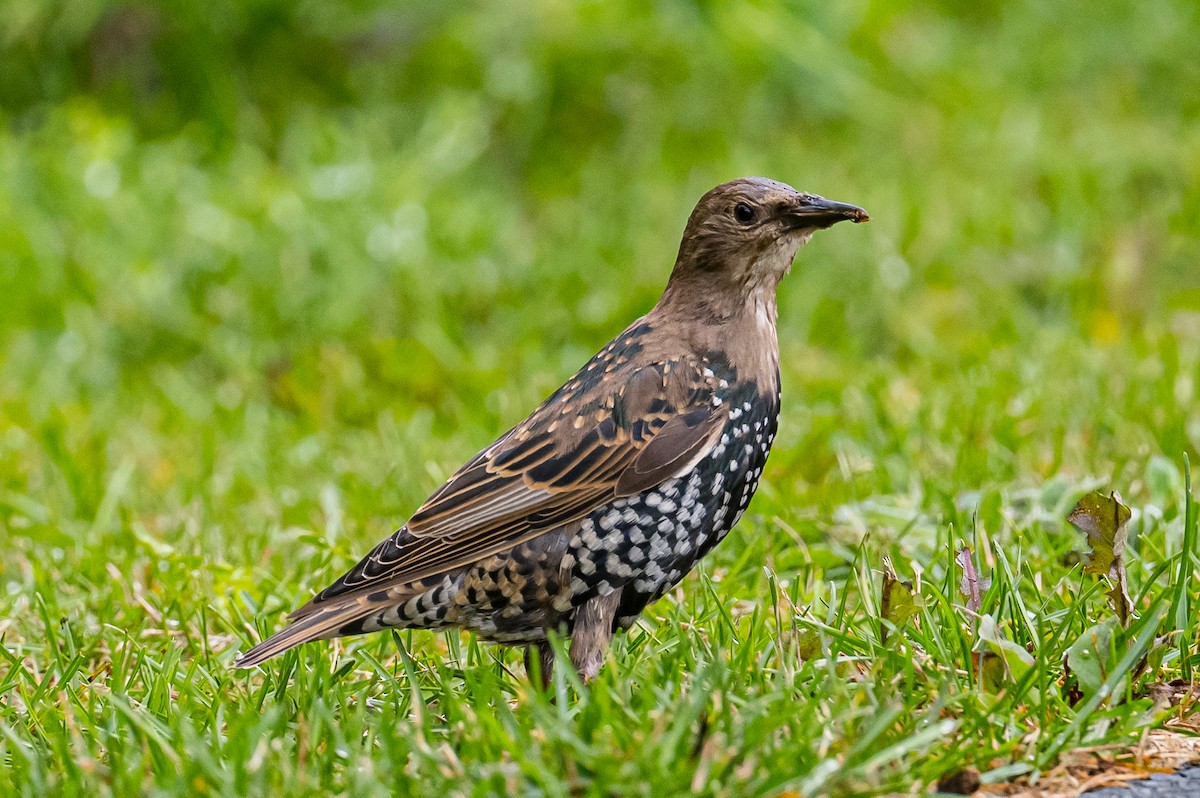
[(814, 211)]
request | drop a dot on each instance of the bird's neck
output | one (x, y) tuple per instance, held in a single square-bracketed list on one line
[(740, 326), (761, 302)]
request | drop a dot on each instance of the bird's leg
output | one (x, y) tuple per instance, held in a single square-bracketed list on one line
[(592, 633), (545, 656)]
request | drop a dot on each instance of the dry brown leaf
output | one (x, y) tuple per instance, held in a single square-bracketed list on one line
[(971, 585), (1102, 519), (899, 602)]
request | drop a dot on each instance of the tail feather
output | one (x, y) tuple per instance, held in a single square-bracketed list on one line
[(318, 624)]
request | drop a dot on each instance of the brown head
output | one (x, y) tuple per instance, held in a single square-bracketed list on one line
[(742, 237)]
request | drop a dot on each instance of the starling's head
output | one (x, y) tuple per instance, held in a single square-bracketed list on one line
[(745, 233)]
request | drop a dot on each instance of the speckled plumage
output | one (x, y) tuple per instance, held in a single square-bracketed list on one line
[(611, 491)]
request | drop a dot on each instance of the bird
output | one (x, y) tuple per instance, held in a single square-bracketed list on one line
[(609, 493)]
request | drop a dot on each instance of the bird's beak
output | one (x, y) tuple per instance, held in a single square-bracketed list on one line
[(812, 211)]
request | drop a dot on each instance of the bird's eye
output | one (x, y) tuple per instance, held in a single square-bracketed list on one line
[(743, 213)]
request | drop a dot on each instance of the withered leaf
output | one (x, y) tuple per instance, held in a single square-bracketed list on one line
[(899, 602), (1003, 662), (1102, 519), (809, 645), (971, 585)]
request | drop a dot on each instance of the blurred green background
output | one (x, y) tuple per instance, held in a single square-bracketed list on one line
[(270, 270)]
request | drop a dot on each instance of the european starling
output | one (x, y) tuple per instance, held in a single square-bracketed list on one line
[(604, 498)]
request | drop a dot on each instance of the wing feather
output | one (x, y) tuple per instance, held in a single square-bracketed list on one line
[(676, 449), (586, 445)]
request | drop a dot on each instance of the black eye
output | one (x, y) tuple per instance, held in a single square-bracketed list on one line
[(743, 213)]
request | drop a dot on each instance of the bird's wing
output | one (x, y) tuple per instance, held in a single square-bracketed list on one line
[(599, 437)]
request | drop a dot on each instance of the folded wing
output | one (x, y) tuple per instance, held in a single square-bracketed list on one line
[(591, 442)]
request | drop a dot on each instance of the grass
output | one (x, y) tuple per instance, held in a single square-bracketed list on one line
[(243, 336)]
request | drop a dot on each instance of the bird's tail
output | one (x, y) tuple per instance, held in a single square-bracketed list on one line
[(331, 619)]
